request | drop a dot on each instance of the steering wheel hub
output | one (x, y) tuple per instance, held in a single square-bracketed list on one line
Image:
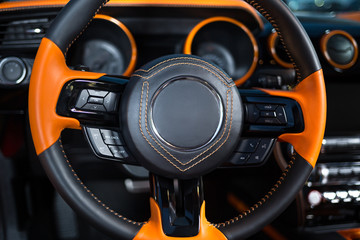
[(181, 116), (186, 113)]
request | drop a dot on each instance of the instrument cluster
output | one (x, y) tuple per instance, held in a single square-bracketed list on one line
[(108, 45)]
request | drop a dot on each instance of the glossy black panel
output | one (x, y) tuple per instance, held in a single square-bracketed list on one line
[(266, 115), (93, 102), (180, 202), (251, 152), (108, 144)]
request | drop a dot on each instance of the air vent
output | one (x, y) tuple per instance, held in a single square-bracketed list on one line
[(22, 34), (339, 49)]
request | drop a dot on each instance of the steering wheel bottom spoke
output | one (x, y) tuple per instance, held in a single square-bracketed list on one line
[(177, 211), (179, 202)]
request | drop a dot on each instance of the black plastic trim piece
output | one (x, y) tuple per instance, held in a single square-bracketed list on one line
[(256, 158), (180, 203), (295, 120), (129, 159), (68, 98)]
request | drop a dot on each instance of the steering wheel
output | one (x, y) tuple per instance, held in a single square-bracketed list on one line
[(178, 116)]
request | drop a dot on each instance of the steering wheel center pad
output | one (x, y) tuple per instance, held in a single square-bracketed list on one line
[(181, 116), (186, 113)]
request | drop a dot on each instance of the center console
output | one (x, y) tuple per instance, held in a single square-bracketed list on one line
[(332, 194)]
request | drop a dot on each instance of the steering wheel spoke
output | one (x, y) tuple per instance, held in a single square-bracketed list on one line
[(95, 104), (92, 102), (179, 203), (266, 118), (270, 115)]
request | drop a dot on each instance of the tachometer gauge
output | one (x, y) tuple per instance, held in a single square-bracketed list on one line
[(217, 54), (106, 46), (103, 56), (227, 43)]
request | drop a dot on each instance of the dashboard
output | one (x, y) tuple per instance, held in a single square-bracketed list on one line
[(232, 35)]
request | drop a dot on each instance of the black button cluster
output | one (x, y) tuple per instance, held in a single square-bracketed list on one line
[(96, 100), (252, 151), (107, 143), (266, 114)]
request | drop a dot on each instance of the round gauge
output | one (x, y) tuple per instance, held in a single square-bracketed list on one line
[(339, 49), (278, 51), (12, 70), (217, 54), (107, 46), (103, 56), (227, 43)]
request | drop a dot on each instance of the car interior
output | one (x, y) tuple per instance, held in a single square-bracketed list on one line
[(179, 119)]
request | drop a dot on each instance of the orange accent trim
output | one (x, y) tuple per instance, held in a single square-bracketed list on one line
[(323, 42), (350, 234), (272, 49), (190, 38), (353, 16), (311, 96), (9, 6), (131, 67), (153, 229), (48, 77)]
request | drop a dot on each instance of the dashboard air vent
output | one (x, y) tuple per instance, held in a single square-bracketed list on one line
[(22, 34), (339, 48)]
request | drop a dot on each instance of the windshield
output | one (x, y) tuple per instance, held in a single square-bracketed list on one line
[(324, 5)]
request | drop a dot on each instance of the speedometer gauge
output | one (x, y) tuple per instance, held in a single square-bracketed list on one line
[(103, 56), (106, 46), (227, 43), (217, 54)]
